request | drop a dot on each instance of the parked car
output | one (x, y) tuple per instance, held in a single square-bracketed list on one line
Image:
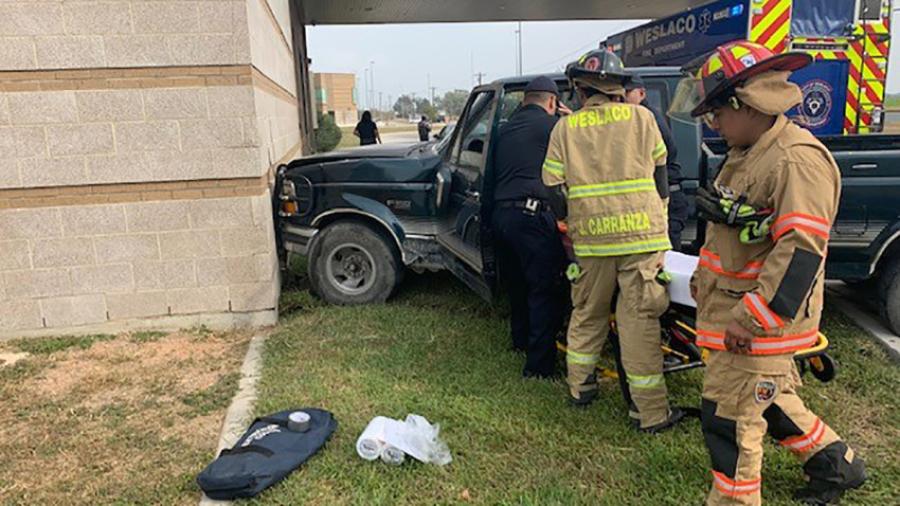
[(363, 217)]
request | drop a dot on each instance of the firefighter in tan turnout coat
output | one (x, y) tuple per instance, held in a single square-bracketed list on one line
[(759, 287), (607, 164)]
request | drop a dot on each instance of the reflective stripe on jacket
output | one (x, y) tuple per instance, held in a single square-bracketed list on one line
[(774, 288), (606, 156)]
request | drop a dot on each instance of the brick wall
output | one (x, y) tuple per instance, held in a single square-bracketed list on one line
[(80, 265), (137, 139)]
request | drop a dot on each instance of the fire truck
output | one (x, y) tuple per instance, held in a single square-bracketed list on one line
[(843, 90)]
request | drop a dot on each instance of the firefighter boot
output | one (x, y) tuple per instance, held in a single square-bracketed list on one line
[(831, 471), (676, 415)]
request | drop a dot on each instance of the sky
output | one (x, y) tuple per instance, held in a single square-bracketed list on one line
[(409, 57)]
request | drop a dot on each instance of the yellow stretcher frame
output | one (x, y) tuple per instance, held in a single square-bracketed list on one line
[(812, 354)]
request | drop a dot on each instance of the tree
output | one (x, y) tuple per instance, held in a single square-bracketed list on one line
[(405, 106), (328, 135), (424, 108), (453, 102)]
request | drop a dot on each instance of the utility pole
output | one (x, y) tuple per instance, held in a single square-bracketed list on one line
[(432, 94), (366, 87), (380, 105), (372, 79), (480, 76), (519, 49)]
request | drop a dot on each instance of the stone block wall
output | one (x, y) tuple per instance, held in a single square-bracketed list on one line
[(137, 141), (89, 264)]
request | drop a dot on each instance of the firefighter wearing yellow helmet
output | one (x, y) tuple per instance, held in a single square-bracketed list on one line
[(607, 165), (759, 288)]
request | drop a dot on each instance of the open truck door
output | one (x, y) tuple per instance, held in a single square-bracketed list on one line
[(467, 160)]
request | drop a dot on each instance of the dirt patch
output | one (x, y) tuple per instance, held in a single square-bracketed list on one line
[(94, 419), (11, 358)]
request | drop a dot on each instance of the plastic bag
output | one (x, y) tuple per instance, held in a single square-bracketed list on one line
[(415, 437)]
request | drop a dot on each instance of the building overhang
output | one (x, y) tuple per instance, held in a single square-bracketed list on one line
[(339, 12)]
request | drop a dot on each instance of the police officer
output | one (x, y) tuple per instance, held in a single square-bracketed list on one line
[(759, 290), (524, 228), (636, 93), (607, 163)]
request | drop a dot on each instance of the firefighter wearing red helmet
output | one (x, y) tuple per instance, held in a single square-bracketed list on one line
[(759, 287), (607, 165)]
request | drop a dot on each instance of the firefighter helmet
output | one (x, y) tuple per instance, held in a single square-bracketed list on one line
[(595, 66), (730, 65)]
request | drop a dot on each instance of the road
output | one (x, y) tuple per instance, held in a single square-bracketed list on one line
[(404, 137)]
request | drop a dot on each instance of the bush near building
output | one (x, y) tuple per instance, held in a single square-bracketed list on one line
[(328, 135)]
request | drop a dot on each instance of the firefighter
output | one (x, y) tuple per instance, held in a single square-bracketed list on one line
[(760, 285), (607, 164), (636, 93)]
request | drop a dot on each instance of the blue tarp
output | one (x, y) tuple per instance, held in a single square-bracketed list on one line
[(822, 18)]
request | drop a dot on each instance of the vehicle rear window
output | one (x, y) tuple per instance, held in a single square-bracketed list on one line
[(822, 18)]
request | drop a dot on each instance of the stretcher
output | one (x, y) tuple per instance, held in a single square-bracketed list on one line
[(678, 335)]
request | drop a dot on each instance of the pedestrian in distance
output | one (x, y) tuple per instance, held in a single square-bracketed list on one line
[(367, 130), (424, 128)]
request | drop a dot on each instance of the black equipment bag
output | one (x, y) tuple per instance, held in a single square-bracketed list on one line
[(267, 452)]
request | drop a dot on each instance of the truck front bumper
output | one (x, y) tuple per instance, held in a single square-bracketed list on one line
[(298, 239)]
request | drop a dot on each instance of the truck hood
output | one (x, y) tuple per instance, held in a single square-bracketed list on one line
[(371, 164), (372, 151)]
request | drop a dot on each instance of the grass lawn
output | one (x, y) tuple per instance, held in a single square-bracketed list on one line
[(439, 351), (348, 140), (128, 419)]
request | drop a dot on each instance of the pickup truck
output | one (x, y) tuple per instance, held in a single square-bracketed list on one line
[(365, 215)]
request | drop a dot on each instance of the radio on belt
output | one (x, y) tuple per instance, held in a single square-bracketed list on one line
[(298, 421)]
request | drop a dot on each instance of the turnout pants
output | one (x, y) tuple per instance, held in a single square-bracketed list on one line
[(739, 408), (640, 302), (531, 259)]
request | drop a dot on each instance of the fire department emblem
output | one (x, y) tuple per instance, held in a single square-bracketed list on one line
[(817, 103), (765, 391), (705, 21)]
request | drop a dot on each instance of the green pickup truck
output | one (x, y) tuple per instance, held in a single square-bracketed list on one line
[(364, 216)]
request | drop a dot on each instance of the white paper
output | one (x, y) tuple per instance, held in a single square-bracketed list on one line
[(681, 267), (415, 436)]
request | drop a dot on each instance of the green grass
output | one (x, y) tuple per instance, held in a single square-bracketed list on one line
[(129, 422), (216, 397), (50, 345), (439, 351), (892, 101), (147, 336), (348, 140)]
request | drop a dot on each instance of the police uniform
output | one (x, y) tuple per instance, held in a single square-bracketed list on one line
[(524, 228), (610, 157), (773, 288)]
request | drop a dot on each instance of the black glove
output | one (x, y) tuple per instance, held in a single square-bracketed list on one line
[(720, 204)]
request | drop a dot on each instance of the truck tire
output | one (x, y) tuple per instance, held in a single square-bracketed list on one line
[(889, 295), (351, 263)]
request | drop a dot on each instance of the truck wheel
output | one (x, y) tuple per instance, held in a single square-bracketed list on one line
[(889, 291), (353, 264)]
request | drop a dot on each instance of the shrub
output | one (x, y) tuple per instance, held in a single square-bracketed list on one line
[(328, 135)]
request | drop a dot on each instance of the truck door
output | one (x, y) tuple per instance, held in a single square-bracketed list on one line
[(467, 158)]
